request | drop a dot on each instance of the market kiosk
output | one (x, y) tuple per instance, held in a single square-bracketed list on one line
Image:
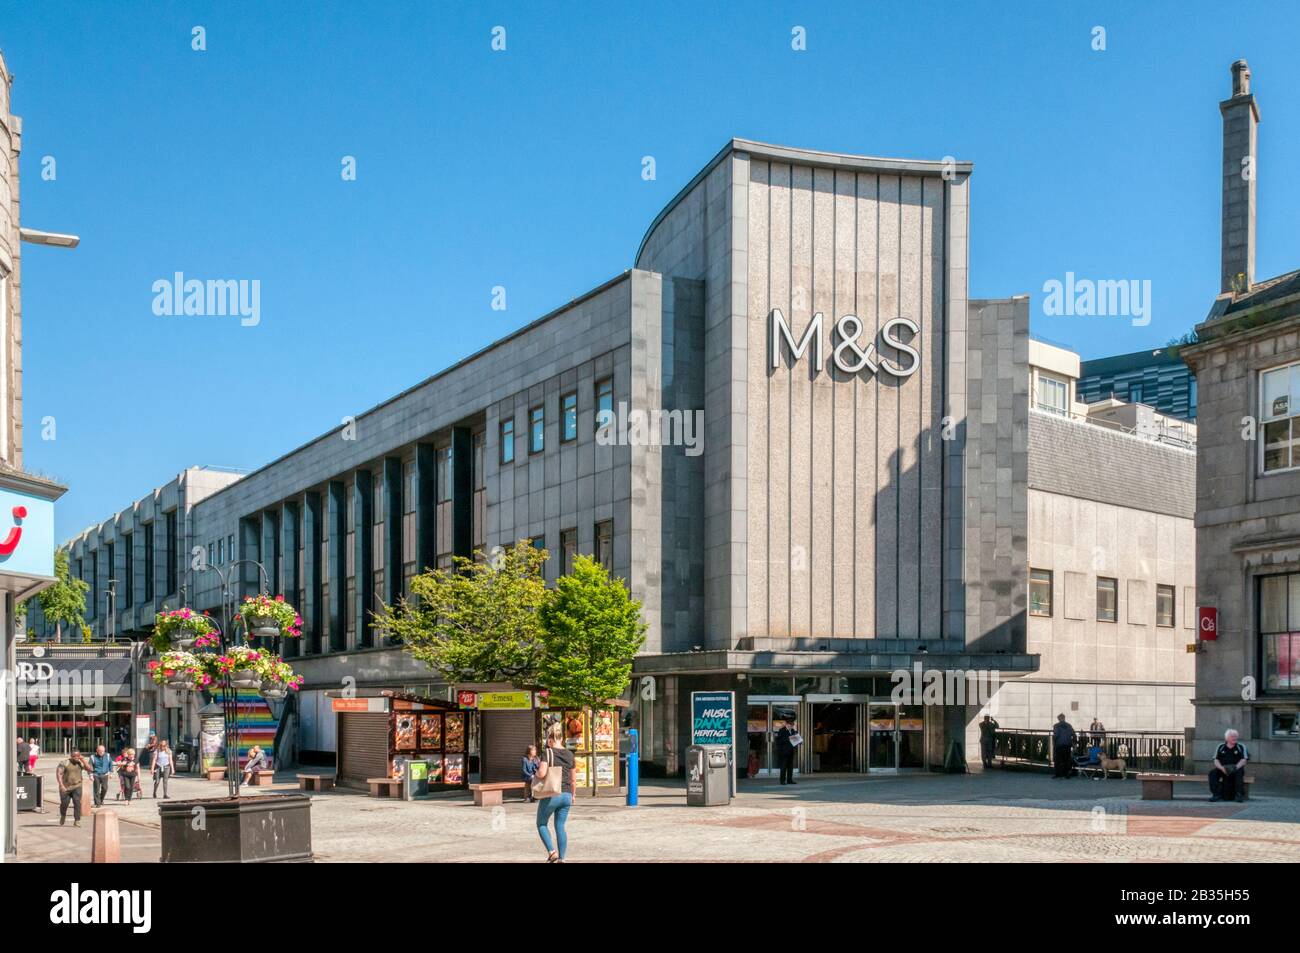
[(378, 734)]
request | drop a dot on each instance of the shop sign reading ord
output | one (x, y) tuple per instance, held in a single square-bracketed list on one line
[(848, 355)]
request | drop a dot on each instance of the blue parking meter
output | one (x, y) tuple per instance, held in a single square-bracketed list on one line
[(633, 765)]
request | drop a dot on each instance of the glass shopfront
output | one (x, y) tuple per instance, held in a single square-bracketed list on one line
[(72, 696), (58, 729)]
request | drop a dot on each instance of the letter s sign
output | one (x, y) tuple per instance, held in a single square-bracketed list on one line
[(1207, 623)]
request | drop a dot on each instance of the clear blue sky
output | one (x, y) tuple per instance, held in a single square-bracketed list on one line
[(522, 169)]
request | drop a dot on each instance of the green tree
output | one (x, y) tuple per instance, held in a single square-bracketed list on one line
[(478, 622), (65, 601), (592, 629)]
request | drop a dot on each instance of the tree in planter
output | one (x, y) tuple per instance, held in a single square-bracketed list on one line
[(591, 630), (477, 622), (65, 601)]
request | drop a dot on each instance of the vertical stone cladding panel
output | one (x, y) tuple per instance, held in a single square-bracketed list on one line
[(888, 455), (821, 422), (843, 509), (866, 502)]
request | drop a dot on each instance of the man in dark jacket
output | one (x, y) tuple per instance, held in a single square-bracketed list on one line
[(24, 753), (1063, 739), (785, 751), (988, 735)]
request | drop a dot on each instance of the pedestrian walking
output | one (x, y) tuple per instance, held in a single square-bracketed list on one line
[(163, 767), (1063, 739), (101, 769), (151, 746), (23, 751), (128, 774), (988, 740), (787, 740), (70, 775), (33, 752), (554, 797), (530, 763)]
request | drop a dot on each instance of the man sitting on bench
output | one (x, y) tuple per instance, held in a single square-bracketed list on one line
[(1228, 779)]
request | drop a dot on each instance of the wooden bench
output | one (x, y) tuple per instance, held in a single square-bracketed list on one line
[(385, 787), (486, 795), (1160, 787), (315, 782), (261, 779), (215, 774)]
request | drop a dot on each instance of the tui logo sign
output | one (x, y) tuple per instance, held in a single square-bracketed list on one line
[(27, 542)]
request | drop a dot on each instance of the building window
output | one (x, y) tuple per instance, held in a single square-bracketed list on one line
[(172, 544), (94, 584), (479, 477), (1279, 631), (508, 440), (537, 430), (568, 417), (1107, 599), (1165, 606), (605, 544), (538, 542), (604, 402), (1040, 592), (221, 552), (148, 562), (568, 550), (230, 546), (1053, 395), (1135, 393), (444, 475), (1279, 406), (1191, 397), (128, 584)]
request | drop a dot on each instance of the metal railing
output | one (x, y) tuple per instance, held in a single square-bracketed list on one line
[(1143, 750), (1164, 430)]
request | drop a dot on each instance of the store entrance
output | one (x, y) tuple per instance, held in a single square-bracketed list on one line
[(897, 737), (835, 737)]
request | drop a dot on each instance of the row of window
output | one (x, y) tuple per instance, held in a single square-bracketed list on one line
[(604, 400), (127, 592), (221, 551), (1041, 597), (603, 537)]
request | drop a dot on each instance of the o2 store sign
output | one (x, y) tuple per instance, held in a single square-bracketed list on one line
[(26, 534), (849, 355)]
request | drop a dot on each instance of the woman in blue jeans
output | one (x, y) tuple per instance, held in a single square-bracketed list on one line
[(557, 758)]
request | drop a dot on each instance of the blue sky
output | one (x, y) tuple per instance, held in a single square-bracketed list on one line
[(522, 169)]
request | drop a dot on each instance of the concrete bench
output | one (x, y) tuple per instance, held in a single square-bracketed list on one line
[(261, 779), (215, 774), (385, 787), (315, 782), (1160, 787), (486, 795)]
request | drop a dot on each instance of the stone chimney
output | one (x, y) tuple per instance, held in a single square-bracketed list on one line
[(1240, 171)]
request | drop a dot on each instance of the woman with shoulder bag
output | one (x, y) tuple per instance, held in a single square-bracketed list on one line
[(553, 788)]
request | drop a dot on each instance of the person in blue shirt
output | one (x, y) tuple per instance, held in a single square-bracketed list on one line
[(530, 763), (101, 767), (1063, 739)]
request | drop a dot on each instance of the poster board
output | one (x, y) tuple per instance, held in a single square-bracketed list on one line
[(592, 736)]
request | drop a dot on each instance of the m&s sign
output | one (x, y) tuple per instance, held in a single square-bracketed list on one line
[(1207, 623)]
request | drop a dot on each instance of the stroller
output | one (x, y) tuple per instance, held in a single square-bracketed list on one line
[(1089, 765)]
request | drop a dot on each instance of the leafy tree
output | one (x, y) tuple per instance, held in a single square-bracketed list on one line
[(478, 622), (592, 628), (65, 601)]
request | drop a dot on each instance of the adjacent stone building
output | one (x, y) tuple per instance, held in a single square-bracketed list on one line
[(1247, 362)]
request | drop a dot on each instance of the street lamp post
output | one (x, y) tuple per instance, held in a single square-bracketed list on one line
[(229, 694)]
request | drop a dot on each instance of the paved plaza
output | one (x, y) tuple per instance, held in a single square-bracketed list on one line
[(993, 816)]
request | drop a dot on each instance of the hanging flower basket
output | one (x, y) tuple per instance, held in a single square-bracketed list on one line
[(180, 629), (177, 669), (265, 617), (274, 691), (278, 678)]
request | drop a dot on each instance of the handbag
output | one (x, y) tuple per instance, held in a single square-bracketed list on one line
[(553, 783)]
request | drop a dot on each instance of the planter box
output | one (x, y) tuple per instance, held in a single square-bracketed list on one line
[(247, 830)]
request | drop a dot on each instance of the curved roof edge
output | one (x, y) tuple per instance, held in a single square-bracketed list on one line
[(792, 154)]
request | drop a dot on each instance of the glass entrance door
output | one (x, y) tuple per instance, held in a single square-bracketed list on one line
[(763, 719), (897, 737), (882, 742), (835, 737)]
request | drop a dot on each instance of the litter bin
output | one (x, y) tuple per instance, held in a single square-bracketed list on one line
[(183, 758), (708, 775), (416, 775)]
